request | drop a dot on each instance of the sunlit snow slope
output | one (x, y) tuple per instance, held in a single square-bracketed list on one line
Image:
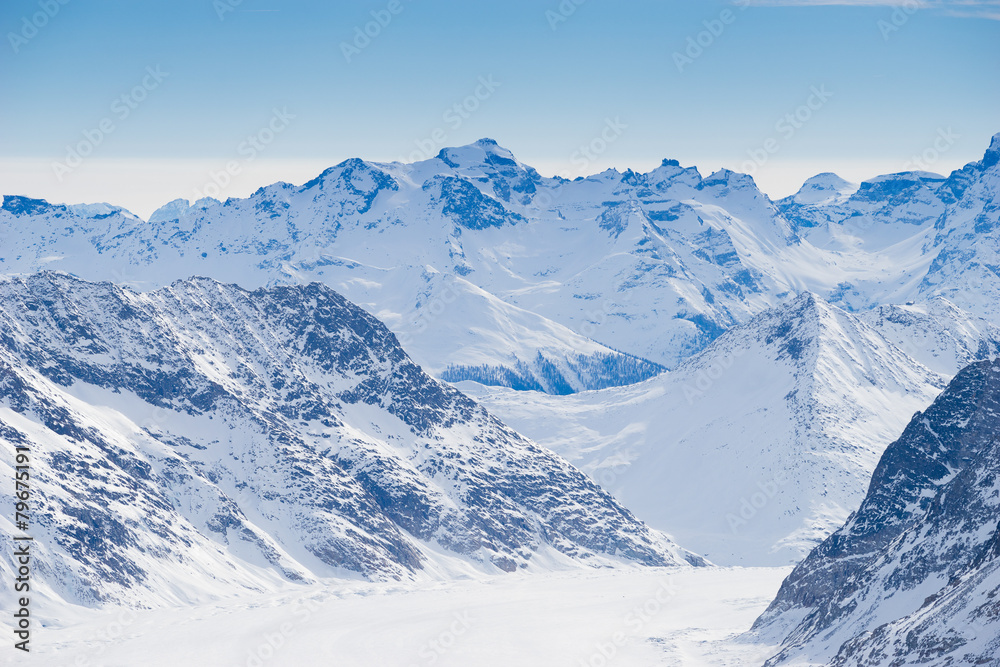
[(755, 449)]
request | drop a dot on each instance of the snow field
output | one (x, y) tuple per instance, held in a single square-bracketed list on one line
[(617, 617)]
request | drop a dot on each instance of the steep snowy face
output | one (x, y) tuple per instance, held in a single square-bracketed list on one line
[(754, 450), (913, 574), (966, 247), (34, 232), (890, 216), (899, 238), (458, 331), (891, 194), (819, 201), (971, 176), (201, 438), (938, 334)]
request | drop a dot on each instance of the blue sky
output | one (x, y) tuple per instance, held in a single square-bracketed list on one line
[(780, 88)]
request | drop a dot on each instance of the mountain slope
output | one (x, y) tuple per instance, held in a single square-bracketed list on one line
[(445, 317), (936, 333), (223, 439), (913, 574), (755, 449), (967, 242)]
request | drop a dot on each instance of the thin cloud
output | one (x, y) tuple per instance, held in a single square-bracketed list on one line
[(975, 9)]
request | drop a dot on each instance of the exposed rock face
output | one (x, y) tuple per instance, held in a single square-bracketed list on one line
[(224, 438), (912, 577)]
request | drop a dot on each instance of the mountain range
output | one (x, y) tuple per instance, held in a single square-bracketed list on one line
[(488, 271)]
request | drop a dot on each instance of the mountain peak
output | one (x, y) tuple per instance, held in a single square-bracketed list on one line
[(914, 175), (372, 467), (172, 210), (797, 325), (992, 155), (825, 392), (483, 151), (960, 180), (899, 188), (345, 167), (824, 189), (726, 181), (808, 300), (19, 205), (489, 161)]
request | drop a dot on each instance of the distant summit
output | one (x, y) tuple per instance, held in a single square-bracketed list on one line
[(823, 190)]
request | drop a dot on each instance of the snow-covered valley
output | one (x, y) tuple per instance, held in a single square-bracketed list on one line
[(682, 617)]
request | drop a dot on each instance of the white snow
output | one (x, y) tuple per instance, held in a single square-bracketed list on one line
[(743, 454), (684, 617)]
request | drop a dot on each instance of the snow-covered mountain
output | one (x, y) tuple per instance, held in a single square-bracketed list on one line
[(912, 577), (936, 333), (200, 439), (652, 264), (489, 271), (752, 451), (817, 194)]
